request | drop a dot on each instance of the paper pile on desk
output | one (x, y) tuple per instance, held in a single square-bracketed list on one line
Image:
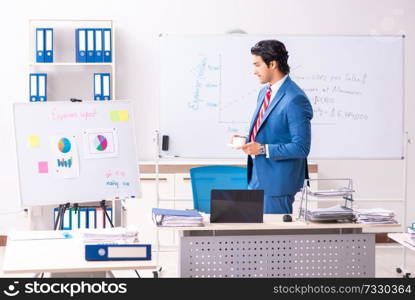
[(330, 214), (110, 235), (411, 232), (344, 191), (174, 217), (375, 216)]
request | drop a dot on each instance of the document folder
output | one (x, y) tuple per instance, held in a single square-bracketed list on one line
[(98, 86), (48, 45), (90, 49), (80, 35), (106, 86), (107, 45), (40, 45), (33, 87), (99, 55), (42, 86), (118, 252)]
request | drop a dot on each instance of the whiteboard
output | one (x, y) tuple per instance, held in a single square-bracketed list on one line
[(75, 152), (354, 83)]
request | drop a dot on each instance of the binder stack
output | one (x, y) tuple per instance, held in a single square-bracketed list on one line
[(44, 45), (93, 45), (173, 217), (82, 218), (102, 86), (37, 87)]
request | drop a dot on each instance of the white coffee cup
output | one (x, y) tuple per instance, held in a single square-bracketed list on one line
[(238, 141)]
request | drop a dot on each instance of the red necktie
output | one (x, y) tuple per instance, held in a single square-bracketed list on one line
[(261, 114)]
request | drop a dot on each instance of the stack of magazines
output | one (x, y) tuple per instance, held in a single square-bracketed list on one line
[(375, 216), (330, 214), (174, 217)]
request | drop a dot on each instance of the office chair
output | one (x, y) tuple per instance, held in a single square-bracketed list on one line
[(204, 179)]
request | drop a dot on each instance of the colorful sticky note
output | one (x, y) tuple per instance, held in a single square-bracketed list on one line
[(123, 115), (115, 116), (43, 167), (34, 141)]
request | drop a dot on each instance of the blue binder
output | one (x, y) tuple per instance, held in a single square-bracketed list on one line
[(98, 86), (99, 53), (90, 45), (80, 36), (106, 86), (107, 44), (42, 86), (48, 45), (118, 252), (33, 89), (40, 45), (83, 218), (91, 218)]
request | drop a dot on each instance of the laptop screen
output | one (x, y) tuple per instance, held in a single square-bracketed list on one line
[(237, 206)]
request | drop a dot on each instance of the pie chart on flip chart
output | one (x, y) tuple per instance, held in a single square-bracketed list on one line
[(64, 145), (100, 143)]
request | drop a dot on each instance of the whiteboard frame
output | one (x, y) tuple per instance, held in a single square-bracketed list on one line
[(404, 131), (132, 120)]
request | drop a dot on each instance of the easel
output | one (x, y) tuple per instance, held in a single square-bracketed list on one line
[(64, 207)]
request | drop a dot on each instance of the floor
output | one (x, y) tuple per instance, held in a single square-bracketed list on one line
[(388, 257)]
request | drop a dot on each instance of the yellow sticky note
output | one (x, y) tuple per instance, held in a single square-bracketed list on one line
[(115, 116), (34, 141), (123, 115)]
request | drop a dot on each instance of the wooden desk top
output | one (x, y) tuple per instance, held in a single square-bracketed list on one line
[(59, 255), (272, 221)]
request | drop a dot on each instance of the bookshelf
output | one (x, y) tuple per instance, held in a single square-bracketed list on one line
[(67, 78)]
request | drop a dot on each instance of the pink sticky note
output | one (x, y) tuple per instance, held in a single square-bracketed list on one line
[(43, 167)]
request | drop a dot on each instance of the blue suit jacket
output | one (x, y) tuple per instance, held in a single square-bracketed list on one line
[(286, 129)]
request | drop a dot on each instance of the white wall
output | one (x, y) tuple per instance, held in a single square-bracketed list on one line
[(139, 22)]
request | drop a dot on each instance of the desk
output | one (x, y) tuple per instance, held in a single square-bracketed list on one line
[(403, 239), (59, 256), (277, 249)]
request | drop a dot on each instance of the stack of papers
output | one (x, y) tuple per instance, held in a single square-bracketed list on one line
[(344, 191), (411, 232), (330, 214), (174, 217), (375, 216), (109, 235)]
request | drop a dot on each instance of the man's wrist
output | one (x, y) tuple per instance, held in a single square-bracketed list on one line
[(262, 149)]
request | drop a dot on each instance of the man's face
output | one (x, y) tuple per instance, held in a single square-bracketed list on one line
[(261, 69)]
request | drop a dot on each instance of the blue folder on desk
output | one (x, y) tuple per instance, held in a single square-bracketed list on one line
[(175, 212), (101, 252)]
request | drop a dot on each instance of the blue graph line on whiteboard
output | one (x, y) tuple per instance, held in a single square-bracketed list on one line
[(207, 83)]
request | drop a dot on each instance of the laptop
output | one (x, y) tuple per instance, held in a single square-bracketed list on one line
[(236, 206)]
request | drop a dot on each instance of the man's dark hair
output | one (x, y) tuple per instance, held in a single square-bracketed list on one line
[(270, 50)]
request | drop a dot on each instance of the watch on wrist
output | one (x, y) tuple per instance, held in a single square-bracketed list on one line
[(261, 149)]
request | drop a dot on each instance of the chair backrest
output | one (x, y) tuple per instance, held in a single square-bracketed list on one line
[(205, 179)]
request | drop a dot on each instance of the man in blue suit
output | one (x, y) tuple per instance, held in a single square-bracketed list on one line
[(280, 131)]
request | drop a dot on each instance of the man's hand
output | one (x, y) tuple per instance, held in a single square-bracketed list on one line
[(251, 148)]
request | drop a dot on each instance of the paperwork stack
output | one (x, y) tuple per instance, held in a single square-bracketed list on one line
[(330, 214), (173, 217), (109, 235), (375, 216)]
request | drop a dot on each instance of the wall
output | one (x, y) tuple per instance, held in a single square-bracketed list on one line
[(139, 22)]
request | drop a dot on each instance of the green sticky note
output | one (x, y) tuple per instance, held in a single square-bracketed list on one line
[(123, 115), (115, 116), (34, 141)]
